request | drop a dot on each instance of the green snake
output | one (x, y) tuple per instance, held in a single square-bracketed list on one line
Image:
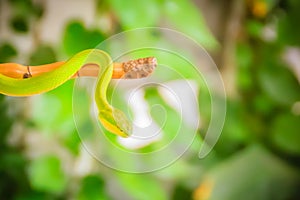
[(113, 119)]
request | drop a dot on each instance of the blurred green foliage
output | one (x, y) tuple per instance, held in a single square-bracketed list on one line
[(77, 38), (92, 187), (45, 174), (256, 157), (23, 12), (251, 174), (7, 51)]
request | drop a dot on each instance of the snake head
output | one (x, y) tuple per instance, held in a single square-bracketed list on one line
[(115, 121)]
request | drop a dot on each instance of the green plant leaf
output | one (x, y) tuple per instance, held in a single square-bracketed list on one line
[(142, 186), (251, 174), (185, 17), (34, 195), (285, 133), (6, 121), (45, 174), (244, 59), (92, 187), (264, 104), (7, 51), (279, 84), (136, 14), (43, 54), (288, 24), (254, 28), (236, 130), (19, 24), (52, 114), (181, 192), (77, 38)]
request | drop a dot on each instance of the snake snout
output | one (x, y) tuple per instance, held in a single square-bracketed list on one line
[(122, 122)]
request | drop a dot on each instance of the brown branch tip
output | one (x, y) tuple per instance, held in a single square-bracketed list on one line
[(139, 68)]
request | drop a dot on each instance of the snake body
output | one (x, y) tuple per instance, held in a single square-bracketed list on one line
[(111, 118)]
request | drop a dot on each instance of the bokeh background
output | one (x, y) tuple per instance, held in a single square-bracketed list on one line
[(255, 44)]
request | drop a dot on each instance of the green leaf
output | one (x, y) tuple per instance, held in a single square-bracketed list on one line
[(142, 186), (45, 174), (27, 8), (238, 129), (22, 7), (6, 121), (77, 38), (264, 104), (43, 54), (288, 24), (185, 17), (181, 192), (279, 84), (38, 10), (34, 195), (254, 28), (7, 51), (52, 114), (12, 164), (22, 11), (137, 13), (19, 24), (251, 174), (71, 140), (92, 187), (285, 133), (45, 112), (244, 57)]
